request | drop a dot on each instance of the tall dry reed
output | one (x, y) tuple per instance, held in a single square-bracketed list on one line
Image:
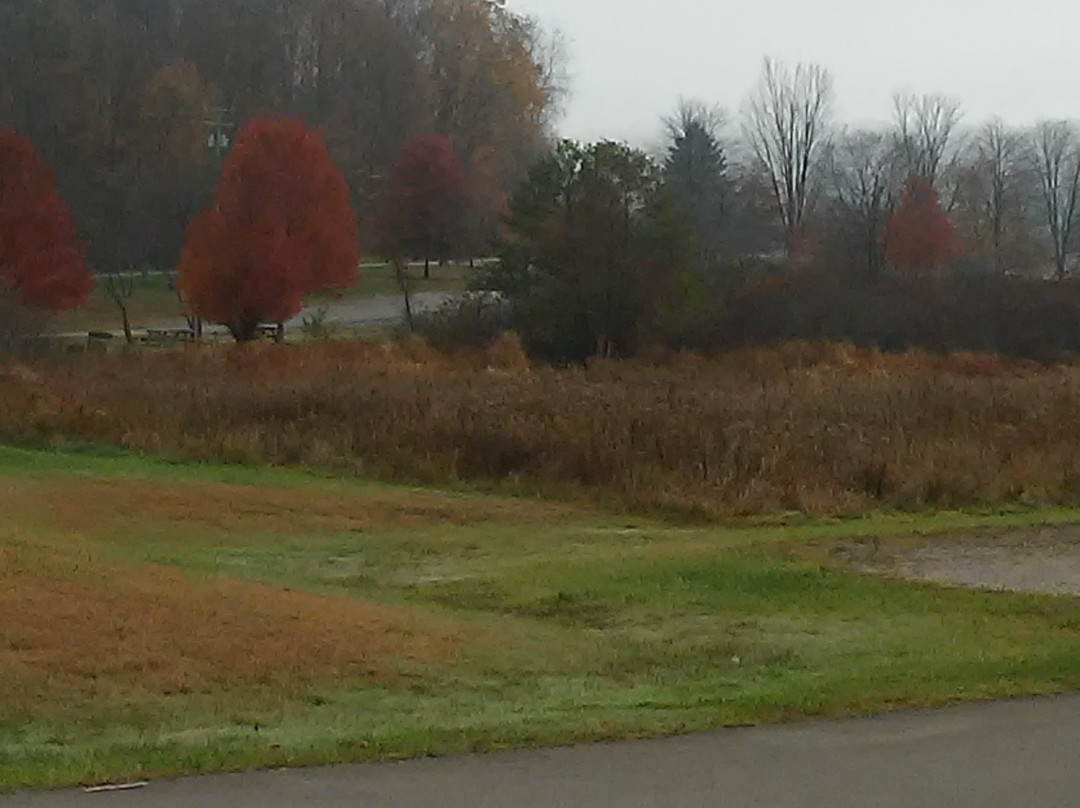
[(815, 428)]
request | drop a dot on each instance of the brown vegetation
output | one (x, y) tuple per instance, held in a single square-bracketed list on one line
[(213, 509), (822, 429), (89, 630)]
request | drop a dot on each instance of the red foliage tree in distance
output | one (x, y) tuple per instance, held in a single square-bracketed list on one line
[(422, 206), (41, 263), (919, 234), (280, 227)]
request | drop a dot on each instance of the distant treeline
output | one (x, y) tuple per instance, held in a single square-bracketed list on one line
[(133, 102), (1022, 317), (922, 232)]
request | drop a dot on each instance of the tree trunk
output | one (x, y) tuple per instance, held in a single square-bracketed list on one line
[(401, 270), (997, 228), (244, 331), (279, 334), (127, 324), (120, 289), (427, 268)]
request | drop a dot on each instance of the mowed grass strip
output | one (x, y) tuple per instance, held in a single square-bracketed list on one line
[(102, 505), (194, 620)]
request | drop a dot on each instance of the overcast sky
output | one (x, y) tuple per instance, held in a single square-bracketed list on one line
[(630, 60)]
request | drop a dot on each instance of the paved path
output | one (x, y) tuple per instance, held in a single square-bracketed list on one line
[(365, 311), (1023, 754), (373, 310)]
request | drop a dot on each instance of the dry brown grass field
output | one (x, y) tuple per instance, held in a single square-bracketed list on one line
[(90, 628), (821, 429)]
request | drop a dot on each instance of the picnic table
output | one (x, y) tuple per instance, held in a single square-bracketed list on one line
[(170, 334), (274, 331)]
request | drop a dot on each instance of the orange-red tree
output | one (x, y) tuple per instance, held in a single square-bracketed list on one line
[(280, 227), (422, 207), (919, 235), (41, 263)]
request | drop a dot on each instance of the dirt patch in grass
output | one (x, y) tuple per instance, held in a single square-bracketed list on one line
[(97, 506), (1040, 560), (75, 630)]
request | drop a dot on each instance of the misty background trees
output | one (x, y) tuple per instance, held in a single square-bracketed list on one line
[(440, 115), (134, 102), (779, 222)]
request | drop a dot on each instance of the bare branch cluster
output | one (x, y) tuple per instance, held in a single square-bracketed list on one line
[(787, 122)]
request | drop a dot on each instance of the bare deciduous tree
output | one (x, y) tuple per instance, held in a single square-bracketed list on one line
[(998, 168), (925, 126), (865, 177), (1055, 153), (690, 113), (120, 287), (787, 120)]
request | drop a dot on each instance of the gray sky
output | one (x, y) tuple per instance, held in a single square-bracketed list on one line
[(630, 60)]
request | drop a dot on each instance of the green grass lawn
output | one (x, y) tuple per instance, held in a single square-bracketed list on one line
[(380, 280), (192, 618), (154, 301)]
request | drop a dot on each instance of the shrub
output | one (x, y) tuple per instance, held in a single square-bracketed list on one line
[(1012, 316), (472, 320)]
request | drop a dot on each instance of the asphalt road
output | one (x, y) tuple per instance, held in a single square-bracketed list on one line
[(373, 310), (367, 311), (1023, 754)]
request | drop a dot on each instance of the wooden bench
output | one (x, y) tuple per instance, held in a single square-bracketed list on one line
[(271, 331)]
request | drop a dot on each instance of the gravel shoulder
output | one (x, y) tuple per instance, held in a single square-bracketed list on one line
[(1042, 560)]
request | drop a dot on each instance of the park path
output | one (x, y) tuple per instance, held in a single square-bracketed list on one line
[(1019, 754), (354, 313), (377, 310)]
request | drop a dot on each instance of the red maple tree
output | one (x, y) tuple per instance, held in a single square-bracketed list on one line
[(919, 235), (280, 227), (422, 207), (41, 262)]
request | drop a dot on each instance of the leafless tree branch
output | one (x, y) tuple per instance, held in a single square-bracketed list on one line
[(787, 119), (1055, 154)]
